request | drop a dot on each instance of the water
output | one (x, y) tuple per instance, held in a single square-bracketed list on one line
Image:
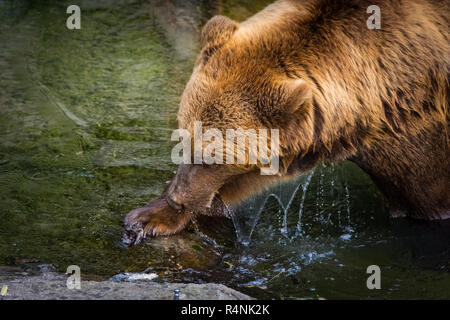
[(86, 118)]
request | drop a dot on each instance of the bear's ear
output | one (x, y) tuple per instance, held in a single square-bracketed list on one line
[(295, 119), (297, 93), (217, 31)]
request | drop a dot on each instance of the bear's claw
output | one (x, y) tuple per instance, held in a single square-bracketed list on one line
[(133, 234)]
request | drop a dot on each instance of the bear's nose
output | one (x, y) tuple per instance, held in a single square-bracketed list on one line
[(175, 205)]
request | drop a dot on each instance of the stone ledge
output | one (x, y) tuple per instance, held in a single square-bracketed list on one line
[(50, 285)]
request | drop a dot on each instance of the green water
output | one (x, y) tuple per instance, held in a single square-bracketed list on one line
[(86, 119)]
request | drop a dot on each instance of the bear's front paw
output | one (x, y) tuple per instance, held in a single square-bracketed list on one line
[(155, 219)]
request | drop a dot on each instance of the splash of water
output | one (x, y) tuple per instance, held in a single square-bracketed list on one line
[(347, 200), (302, 203), (246, 216)]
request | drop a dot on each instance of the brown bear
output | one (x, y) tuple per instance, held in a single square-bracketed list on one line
[(335, 89)]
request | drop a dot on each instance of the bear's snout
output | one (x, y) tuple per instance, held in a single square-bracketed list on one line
[(194, 186)]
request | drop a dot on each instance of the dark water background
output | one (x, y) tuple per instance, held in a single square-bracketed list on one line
[(86, 118)]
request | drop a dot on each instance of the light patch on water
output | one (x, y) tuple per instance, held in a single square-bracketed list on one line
[(130, 276), (256, 282), (346, 237)]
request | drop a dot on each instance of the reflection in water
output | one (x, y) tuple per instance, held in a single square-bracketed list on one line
[(86, 119)]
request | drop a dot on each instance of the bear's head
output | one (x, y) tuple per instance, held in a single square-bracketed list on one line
[(242, 79)]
